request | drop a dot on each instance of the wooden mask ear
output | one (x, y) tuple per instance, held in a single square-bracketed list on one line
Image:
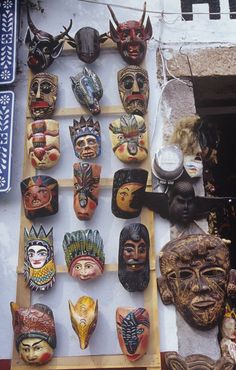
[(175, 361), (148, 29), (165, 293)]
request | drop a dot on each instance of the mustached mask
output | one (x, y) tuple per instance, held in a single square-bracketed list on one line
[(131, 37), (43, 47)]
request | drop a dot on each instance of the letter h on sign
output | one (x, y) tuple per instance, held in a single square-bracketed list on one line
[(214, 7)]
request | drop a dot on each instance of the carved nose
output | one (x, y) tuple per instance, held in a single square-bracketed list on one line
[(200, 286), (39, 153), (132, 148)]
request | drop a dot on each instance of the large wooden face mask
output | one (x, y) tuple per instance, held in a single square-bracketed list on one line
[(40, 196), (133, 268), (35, 334), (83, 317), (86, 138), (128, 191), (133, 87), (133, 331), (43, 95), (128, 135), (43, 145), (86, 189), (84, 254), (39, 266), (195, 271)]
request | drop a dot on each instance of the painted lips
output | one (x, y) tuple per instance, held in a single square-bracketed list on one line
[(39, 104)]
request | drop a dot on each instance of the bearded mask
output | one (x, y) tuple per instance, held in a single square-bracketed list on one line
[(133, 269), (43, 47), (133, 328), (128, 192), (86, 189), (43, 145), (43, 95), (128, 136), (40, 196), (133, 87), (86, 138), (83, 317), (131, 37)]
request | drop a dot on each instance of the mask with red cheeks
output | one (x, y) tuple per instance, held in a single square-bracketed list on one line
[(133, 331), (86, 189)]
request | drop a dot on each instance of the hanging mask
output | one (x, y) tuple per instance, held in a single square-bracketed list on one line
[(35, 334), (40, 196), (133, 328), (133, 270), (84, 254), (43, 145), (131, 37), (39, 266), (87, 89), (133, 87), (128, 192), (43, 95), (43, 47), (83, 317), (86, 189), (86, 138), (87, 43), (128, 136)]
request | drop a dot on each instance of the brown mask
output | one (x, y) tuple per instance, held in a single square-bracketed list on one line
[(195, 271), (86, 189), (133, 331), (133, 87), (43, 144), (43, 95)]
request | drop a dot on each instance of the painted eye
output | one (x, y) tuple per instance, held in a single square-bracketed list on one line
[(46, 49), (121, 137), (140, 331), (34, 87), (213, 273), (46, 87), (140, 81), (128, 83), (138, 33), (185, 274)]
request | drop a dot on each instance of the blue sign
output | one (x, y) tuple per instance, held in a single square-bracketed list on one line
[(6, 130), (8, 17)]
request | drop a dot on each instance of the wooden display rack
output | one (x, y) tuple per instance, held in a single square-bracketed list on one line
[(151, 360)]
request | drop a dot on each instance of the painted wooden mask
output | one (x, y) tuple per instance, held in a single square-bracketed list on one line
[(39, 265), (87, 89), (40, 196), (131, 37), (86, 138), (35, 334), (43, 95), (86, 189), (133, 87), (196, 362), (83, 317), (84, 254), (128, 192), (43, 47), (129, 140), (195, 271), (133, 269), (133, 331), (182, 203), (228, 334), (43, 144)]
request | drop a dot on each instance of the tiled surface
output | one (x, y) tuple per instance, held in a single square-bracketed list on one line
[(8, 17), (6, 123)]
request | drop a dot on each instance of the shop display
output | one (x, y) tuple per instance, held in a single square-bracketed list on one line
[(131, 37), (129, 140), (87, 89), (86, 138), (86, 189), (43, 95), (195, 271), (84, 254), (39, 265), (133, 331), (87, 43), (133, 85), (128, 183), (43, 47), (83, 317), (43, 143), (133, 269), (35, 334), (40, 196), (196, 362)]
